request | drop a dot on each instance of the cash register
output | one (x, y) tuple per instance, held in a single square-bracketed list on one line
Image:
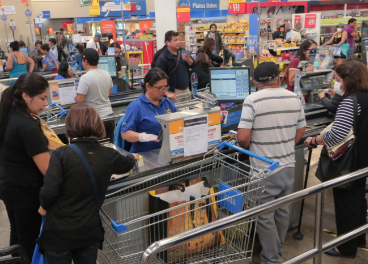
[(310, 83)]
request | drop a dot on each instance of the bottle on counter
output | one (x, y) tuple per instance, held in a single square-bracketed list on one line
[(317, 62)]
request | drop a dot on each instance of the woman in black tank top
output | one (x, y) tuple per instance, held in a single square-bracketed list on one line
[(335, 39)]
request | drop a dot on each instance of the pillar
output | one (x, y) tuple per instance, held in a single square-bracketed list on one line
[(165, 14)]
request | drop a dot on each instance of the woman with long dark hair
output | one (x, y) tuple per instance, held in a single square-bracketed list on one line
[(208, 47), (202, 69), (64, 71), (302, 55), (78, 57), (24, 156)]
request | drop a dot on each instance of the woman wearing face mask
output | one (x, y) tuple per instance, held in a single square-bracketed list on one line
[(350, 204), (302, 55), (336, 39), (337, 96)]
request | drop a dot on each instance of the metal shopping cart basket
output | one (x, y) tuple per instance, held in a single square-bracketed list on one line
[(130, 228)]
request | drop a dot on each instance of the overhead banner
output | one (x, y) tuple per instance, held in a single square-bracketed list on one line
[(108, 26), (132, 8), (201, 5), (94, 9), (183, 14), (237, 6)]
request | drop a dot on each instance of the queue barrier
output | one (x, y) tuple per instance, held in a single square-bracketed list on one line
[(316, 252)]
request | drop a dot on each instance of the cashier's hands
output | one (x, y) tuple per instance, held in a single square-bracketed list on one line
[(332, 92), (143, 137), (310, 68), (42, 211)]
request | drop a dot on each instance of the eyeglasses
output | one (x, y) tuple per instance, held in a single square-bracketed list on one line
[(162, 89)]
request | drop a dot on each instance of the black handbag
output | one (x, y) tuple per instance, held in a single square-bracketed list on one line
[(329, 169)]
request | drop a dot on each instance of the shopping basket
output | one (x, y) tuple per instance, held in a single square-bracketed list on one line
[(237, 187)]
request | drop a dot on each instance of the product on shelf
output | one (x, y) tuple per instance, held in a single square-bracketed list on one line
[(240, 26), (233, 38)]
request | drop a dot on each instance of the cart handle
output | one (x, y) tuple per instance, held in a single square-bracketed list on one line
[(273, 166)]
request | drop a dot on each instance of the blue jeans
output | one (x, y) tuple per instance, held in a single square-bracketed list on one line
[(350, 53), (87, 255)]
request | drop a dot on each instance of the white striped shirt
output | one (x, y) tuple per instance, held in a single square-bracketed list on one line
[(274, 115), (344, 120)]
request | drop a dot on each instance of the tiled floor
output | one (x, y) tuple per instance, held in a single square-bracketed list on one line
[(292, 247)]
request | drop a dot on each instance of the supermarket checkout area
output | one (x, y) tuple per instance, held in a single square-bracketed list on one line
[(171, 157)]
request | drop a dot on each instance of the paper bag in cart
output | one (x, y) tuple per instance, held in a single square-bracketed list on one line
[(184, 218)]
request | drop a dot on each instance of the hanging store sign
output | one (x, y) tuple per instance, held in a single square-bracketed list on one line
[(9, 10), (85, 2), (50, 30), (310, 20), (94, 9), (297, 19), (38, 23), (69, 29), (237, 6), (131, 8), (108, 26), (183, 14), (201, 5), (37, 31)]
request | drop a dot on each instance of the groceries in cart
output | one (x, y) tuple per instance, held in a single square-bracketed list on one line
[(174, 201)]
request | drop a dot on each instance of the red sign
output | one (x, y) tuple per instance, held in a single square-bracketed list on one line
[(297, 19), (69, 28), (108, 26), (310, 20), (236, 6), (24, 1), (50, 30), (65, 24), (145, 24), (133, 8), (183, 14)]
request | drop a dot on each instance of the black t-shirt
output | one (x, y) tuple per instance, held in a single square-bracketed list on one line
[(23, 139)]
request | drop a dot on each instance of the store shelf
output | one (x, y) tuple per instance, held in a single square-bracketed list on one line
[(140, 40), (282, 49), (200, 38), (233, 32), (242, 43), (137, 77), (327, 34)]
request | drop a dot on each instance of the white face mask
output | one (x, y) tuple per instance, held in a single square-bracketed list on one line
[(339, 30), (337, 86)]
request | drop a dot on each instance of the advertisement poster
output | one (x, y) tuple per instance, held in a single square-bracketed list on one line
[(297, 19), (252, 44), (69, 29), (310, 20), (94, 9), (108, 26), (236, 6), (195, 135), (50, 30)]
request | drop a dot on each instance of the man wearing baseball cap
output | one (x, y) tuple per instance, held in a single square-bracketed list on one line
[(94, 43), (94, 89), (271, 124)]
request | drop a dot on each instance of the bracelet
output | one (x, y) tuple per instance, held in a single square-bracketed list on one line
[(315, 140)]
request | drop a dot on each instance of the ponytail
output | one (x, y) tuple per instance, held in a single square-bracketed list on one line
[(6, 108), (29, 83)]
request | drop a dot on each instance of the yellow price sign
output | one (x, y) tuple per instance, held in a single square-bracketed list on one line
[(183, 10)]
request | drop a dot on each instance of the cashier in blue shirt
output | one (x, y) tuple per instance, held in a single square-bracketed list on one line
[(140, 126)]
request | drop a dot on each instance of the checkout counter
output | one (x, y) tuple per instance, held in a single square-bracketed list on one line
[(165, 159)]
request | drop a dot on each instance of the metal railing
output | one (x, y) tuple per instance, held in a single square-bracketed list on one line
[(315, 253)]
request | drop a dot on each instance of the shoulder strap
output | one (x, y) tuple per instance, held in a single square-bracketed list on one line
[(355, 106), (89, 171), (177, 63)]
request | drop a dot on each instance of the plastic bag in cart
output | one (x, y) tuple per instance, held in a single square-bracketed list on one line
[(192, 216)]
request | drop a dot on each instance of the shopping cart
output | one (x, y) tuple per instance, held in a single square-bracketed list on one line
[(130, 228), (53, 113)]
